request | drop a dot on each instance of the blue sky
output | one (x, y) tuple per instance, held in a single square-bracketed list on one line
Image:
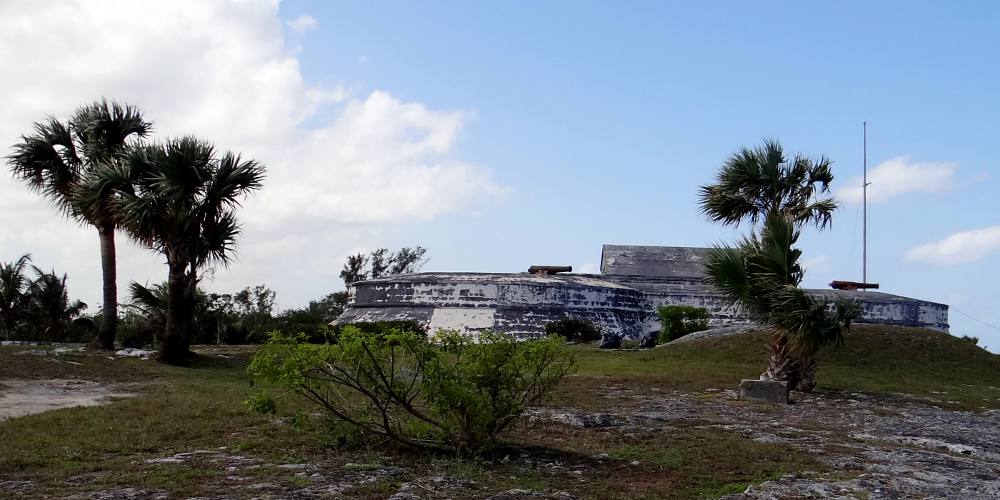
[(534, 132), (603, 120)]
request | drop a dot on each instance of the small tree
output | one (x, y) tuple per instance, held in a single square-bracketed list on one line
[(761, 277), (457, 396), (677, 321), (762, 186)]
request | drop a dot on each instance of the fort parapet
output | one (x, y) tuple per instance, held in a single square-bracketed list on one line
[(634, 282)]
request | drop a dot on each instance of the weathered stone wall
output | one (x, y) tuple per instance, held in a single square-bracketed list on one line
[(521, 304)]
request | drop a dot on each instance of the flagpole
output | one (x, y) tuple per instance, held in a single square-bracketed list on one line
[(864, 187)]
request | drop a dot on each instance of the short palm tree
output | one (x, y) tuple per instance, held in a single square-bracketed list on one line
[(776, 196), (49, 309), (761, 278), (13, 294), (58, 157), (757, 182), (179, 198), (150, 303)]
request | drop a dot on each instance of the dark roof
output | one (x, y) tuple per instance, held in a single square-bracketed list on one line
[(653, 261)]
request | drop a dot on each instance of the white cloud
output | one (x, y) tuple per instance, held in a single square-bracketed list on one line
[(898, 176), (340, 165), (965, 246), (302, 24)]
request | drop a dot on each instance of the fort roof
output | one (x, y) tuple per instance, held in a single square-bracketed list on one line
[(653, 261)]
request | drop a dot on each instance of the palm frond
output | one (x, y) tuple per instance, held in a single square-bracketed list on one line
[(756, 182)]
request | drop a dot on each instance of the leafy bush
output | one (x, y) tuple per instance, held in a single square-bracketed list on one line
[(386, 327), (677, 321), (135, 330), (574, 330), (971, 340), (458, 395)]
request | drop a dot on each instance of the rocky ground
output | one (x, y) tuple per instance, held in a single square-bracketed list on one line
[(898, 447)]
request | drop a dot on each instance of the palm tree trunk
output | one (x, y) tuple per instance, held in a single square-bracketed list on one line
[(783, 365), (174, 346), (105, 338), (807, 373)]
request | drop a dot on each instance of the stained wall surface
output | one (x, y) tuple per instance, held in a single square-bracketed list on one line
[(623, 300)]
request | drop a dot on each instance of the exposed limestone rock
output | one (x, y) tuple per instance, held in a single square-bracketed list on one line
[(881, 448)]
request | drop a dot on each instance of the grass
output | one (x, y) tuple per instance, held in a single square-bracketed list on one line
[(874, 359), (201, 408)]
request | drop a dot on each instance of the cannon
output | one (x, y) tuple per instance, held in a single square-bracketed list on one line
[(851, 285), (548, 270)]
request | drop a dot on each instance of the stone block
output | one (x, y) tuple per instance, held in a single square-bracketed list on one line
[(764, 390)]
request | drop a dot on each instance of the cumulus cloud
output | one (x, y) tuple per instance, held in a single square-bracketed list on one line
[(899, 176), (965, 246), (302, 24), (341, 164)]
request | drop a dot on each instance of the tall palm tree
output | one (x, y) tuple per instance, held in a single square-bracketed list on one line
[(49, 307), (58, 157), (762, 186), (179, 198), (13, 294), (757, 182), (761, 277)]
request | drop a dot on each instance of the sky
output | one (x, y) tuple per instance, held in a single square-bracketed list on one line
[(499, 135)]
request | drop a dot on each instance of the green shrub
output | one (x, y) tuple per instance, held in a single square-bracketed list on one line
[(458, 395), (386, 327), (677, 321), (261, 403), (574, 330), (135, 331)]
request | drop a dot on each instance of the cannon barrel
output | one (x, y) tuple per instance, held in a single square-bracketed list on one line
[(546, 270)]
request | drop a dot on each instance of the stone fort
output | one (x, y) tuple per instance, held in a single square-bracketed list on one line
[(622, 300)]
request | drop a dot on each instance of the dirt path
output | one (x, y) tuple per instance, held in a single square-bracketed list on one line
[(19, 397)]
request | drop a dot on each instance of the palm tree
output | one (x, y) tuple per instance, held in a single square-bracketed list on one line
[(150, 303), (755, 183), (178, 198), (761, 278), (13, 294), (49, 308), (57, 158), (762, 186)]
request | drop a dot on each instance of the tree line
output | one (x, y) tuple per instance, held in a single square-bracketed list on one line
[(35, 304)]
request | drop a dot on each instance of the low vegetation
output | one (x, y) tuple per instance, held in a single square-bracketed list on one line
[(574, 330), (202, 407), (677, 321), (454, 394)]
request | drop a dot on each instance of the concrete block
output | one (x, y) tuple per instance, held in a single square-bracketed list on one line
[(764, 390)]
